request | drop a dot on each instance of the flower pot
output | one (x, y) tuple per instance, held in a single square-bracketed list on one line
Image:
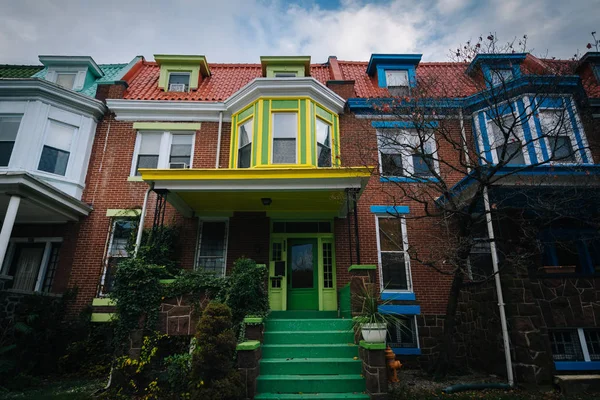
[(374, 333)]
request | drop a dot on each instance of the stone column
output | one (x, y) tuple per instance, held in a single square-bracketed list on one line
[(374, 369), (254, 328), (248, 356), (7, 225)]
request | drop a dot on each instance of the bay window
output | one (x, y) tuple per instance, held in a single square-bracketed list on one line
[(285, 136), (245, 144), (506, 140), (323, 143), (393, 256), (9, 126), (57, 148), (556, 128)]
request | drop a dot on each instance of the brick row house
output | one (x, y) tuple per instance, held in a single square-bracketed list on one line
[(283, 162)]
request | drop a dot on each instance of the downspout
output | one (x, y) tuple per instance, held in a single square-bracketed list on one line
[(140, 232), (490, 229), (493, 251), (219, 139)]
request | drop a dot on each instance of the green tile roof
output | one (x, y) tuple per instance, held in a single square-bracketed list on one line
[(19, 71)]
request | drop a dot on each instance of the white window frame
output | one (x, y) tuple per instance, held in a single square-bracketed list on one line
[(58, 73), (389, 72), (582, 342), (407, 266), (109, 243), (73, 147), (272, 136), (407, 157), (490, 125), (570, 133), (188, 73), (11, 115), (80, 75), (201, 221), (164, 152), (45, 258)]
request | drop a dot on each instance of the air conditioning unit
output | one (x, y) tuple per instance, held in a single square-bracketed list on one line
[(178, 165), (177, 87)]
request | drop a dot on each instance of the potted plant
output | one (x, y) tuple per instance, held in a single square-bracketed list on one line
[(372, 323)]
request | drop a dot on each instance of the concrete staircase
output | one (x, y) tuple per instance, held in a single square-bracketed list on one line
[(309, 354)]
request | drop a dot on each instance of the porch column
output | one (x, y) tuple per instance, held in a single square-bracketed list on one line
[(7, 225)]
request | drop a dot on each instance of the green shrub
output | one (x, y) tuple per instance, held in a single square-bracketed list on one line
[(213, 371), (159, 246), (178, 368), (247, 294)]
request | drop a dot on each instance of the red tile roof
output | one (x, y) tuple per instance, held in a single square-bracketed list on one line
[(445, 79)]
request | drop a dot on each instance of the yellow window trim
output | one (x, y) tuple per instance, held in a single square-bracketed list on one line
[(115, 212), (167, 126)]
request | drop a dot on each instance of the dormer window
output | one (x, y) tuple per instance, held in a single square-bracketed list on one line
[(179, 81), (500, 75), (285, 66), (397, 82), (285, 134), (65, 79)]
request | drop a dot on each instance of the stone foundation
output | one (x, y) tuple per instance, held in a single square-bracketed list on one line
[(248, 363), (374, 369)]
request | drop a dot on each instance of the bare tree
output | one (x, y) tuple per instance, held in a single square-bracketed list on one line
[(426, 154)]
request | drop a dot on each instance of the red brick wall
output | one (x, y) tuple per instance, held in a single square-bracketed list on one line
[(248, 237)]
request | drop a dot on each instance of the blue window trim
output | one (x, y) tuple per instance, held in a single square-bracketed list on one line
[(485, 139), (577, 365), (398, 296), (410, 309), (390, 210), (526, 131), (569, 106), (407, 179), (410, 69), (538, 128), (402, 124), (407, 351)]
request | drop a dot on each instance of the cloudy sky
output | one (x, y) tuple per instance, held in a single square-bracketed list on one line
[(242, 30)]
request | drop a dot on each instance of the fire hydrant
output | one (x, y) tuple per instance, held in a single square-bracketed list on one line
[(392, 364)]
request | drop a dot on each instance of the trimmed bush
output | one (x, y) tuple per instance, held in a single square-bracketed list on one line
[(248, 292)]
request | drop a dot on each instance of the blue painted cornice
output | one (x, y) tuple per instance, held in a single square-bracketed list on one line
[(492, 59)]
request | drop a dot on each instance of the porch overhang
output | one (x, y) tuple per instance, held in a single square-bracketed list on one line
[(41, 202), (310, 192)]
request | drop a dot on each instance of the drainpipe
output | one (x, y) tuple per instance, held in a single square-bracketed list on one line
[(219, 139), (490, 229), (138, 239)]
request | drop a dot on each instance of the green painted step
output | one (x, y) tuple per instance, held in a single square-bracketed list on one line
[(310, 366), (308, 337), (324, 396), (308, 325), (310, 383), (309, 350), (302, 314)]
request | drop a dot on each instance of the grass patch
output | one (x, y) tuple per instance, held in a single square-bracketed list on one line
[(58, 390), (405, 393)]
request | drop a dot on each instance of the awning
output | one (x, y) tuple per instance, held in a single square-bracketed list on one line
[(316, 192), (41, 202)]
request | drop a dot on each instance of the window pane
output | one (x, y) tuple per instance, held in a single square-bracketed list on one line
[(6, 149), (51, 269), (59, 135), (180, 79), (323, 143), (211, 256), (65, 80), (394, 271), (181, 149), (561, 149), (396, 78), (402, 332), (9, 126), (480, 259), (54, 161), (512, 155), (565, 346), (245, 144), (150, 143), (146, 162), (390, 234), (327, 265), (391, 165), (122, 231), (285, 131), (285, 74), (422, 164), (501, 75), (592, 338)]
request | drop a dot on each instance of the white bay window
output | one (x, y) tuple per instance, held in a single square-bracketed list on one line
[(558, 133), (9, 127), (506, 141), (57, 148)]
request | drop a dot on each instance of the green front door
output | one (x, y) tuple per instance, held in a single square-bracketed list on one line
[(302, 275)]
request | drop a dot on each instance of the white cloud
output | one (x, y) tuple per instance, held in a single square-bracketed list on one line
[(242, 30)]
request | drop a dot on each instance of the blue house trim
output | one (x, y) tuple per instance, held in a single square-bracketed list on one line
[(400, 309), (397, 296), (390, 210), (575, 127), (577, 365), (526, 132), (540, 133), (485, 139), (406, 351), (495, 59), (403, 124)]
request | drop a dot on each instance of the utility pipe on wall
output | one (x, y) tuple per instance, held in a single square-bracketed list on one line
[(140, 232), (490, 229), (219, 139)]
